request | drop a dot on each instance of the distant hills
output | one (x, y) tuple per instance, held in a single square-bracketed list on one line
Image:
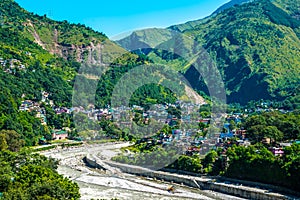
[(254, 43)]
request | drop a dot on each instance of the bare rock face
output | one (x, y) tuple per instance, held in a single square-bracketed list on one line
[(49, 40), (90, 54)]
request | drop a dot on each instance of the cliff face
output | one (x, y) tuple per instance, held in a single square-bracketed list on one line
[(90, 54)]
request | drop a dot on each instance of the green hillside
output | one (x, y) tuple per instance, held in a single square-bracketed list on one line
[(194, 23), (255, 46), (38, 54), (291, 7), (229, 5), (145, 38), (62, 38)]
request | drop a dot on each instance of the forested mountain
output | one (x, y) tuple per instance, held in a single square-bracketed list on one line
[(38, 54), (229, 5), (145, 35), (255, 45), (194, 23)]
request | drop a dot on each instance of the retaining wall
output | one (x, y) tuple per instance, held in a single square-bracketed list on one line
[(196, 182)]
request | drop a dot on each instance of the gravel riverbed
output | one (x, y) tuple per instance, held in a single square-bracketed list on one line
[(98, 184)]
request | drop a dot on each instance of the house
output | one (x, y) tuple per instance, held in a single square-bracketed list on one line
[(240, 133), (42, 141), (42, 117), (193, 150), (235, 117), (244, 143), (226, 135), (277, 151), (266, 140), (285, 144), (59, 134), (26, 105), (45, 96), (205, 121)]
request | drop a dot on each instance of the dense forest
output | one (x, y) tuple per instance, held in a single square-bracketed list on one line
[(31, 176)]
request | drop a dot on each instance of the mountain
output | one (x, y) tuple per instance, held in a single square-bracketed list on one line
[(229, 5), (61, 38), (290, 7), (146, 38), (153, 32), (255, 45), (39, 55), (32, 46), (44, 63), (194, 23)]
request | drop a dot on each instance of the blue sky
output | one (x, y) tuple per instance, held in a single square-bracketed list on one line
[(114, 17)]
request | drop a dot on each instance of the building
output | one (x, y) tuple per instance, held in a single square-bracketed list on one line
[(277, 151), (59, 134)]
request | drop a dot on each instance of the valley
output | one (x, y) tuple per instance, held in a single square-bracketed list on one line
[(196, 110)]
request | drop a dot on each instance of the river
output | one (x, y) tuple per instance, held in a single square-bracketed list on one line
[(99, 184)]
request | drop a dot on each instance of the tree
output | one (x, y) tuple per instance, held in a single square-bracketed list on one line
[(43, 181), (273, 133), (209, 162), (202, 126), (24, 175), (5, 175), (187, 163), (257, 163), (254, 121), (3, 143), (12, 139), (232, 125)]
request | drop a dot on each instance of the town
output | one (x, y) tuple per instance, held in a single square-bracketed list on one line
[(189, 127)]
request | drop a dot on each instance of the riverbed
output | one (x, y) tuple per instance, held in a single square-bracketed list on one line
[(99, 184)]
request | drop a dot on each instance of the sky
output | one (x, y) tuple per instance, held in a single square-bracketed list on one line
[(115, 17)]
